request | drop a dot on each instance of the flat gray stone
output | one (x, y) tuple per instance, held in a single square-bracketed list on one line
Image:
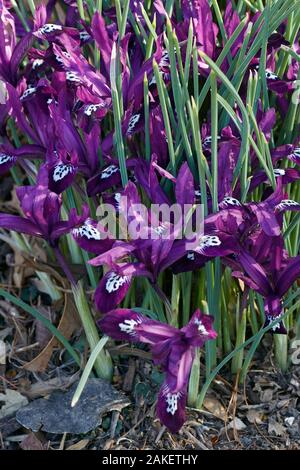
[(55, 415)]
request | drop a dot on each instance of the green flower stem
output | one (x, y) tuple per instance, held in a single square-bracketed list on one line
[(165, 114), (103, 363), (117, 116)]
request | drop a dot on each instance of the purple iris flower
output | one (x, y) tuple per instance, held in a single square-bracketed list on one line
[(11, 51), (41, 208), (10, 155), (49, 123), (260, 259), (62, 168), (228, 231), (172, 349), (132, 123), (205, 30), (265, 213), (108, 177), (229, 143), (289, 151), (147, 255), (287, 175), (272, 283), (93, 237), (274, 83), (70, 140), (160, 245), (51, 32), (105, 36)]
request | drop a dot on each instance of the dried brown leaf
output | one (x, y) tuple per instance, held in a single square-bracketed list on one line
[(31, 442), (254, 416), (237, 424), (215, 407), (79, 445), (67, 325), (42, 389), (276, 428)]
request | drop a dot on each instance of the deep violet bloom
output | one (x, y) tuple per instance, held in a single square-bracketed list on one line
[(41, 208), (232, 227), (10, 155), (107, 177), (205, 30), (158, 247), (62, 168), (272, 283), (146, 255), (11, 51), (266, 213), (289, 151), (92, 236), (173, 349)]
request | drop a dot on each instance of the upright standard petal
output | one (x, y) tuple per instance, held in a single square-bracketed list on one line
[(255, 272), (184, 188), (288, 276)]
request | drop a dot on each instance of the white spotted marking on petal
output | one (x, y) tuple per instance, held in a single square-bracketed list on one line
[(115, 281), (29, 91), (279, 172), (92, 108), (49, 28), (128, 326), (197, 193), (60, 59), (4, 158), (201, 327), (84, 35), (208, 140), (164, 61), (117, 198), (232, 201), (191, 256), (87, 230), (132, 123), (172, 402), (271, 76), (109, 171), (270, 319), (36, 63), (61, 171), (152, 81), (297, 151), (73, 77), (286, 203), (295, 155), (160, 230), (208, 241)]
